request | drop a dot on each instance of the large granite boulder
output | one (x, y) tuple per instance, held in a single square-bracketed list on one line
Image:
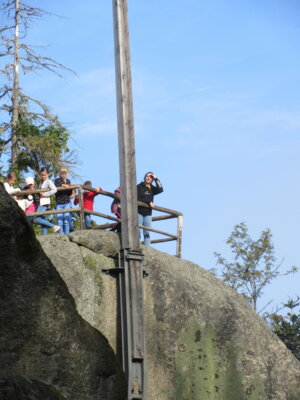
[(203, 340), (94, 291), (20, 388), (42, 336)]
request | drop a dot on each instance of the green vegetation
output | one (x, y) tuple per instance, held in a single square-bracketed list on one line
[(287, 327), (254, 264)]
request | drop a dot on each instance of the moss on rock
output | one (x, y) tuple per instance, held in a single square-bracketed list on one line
[(207, 371)]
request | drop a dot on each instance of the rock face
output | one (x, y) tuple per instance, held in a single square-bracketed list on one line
[(42, 336), (203, 340), (19, 388)]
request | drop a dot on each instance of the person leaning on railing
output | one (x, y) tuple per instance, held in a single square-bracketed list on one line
[(116, 209), (45, 200), (63, 200), (32, 208), (88, 201), (8, 185), (145, 193)]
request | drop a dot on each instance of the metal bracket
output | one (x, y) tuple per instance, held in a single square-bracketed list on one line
[(117, 271), (113, 271), (134, 256)]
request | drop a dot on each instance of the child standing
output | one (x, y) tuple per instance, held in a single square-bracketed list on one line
[(29, 185), (23, 202), (44, 205), (8, 185), (88, 201)]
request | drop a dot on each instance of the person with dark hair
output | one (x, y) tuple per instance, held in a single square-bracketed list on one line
[(116, 209), (88, 201), (45, 200), (63, 200), (8, 185), (145, 193)]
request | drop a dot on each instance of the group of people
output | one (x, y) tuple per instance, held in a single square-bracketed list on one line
[(40, 202)]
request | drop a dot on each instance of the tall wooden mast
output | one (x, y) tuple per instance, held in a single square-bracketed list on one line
[(130, 258)]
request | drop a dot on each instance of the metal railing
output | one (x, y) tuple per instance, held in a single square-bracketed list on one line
[(169, 214)]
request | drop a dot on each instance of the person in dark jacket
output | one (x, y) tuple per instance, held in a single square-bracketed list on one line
[(63, 200), (116, 209), (145, 193)]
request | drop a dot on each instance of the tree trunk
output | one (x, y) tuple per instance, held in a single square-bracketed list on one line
[(15, 93)]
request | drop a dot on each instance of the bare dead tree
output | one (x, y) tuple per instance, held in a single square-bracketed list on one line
[(21, 57)]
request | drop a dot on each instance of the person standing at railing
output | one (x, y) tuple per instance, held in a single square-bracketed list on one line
[(116, 209), (8, 185), (45, 200), (63, 200), (24, 202), (88, 201), (145, 193), (32, 208)]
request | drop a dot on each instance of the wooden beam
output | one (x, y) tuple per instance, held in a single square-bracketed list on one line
[(162, 240), (163, 217), (157, 231), (97, 214), (127, 168), (130, 256), (81, 212), (179, 236), (50, 212), (103, 226)]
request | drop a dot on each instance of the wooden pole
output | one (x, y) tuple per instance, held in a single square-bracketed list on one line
[(130, 257), (179, 236), (130, 237), (81, 213), (16, 90)]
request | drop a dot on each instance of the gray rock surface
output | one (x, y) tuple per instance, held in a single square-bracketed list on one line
[(101, 242), (203, 340), (20, 388), (42, 336), (82, 269)]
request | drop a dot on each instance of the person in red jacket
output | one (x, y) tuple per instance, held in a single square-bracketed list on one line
[(88, 201)]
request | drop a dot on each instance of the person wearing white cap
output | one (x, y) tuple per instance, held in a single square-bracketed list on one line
[(26, 201), (45, 224)]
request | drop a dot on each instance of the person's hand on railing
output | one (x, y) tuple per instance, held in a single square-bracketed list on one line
[(151, 204), (99, 189)]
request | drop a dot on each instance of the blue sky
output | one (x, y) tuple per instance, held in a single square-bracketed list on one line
[(216, 107)]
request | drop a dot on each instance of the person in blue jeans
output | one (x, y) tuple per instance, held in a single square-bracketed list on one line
[(145, 193), (44, 203), (63, 200)]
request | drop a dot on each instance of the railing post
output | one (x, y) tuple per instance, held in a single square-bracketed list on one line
[(81, 212), (179, 236)]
